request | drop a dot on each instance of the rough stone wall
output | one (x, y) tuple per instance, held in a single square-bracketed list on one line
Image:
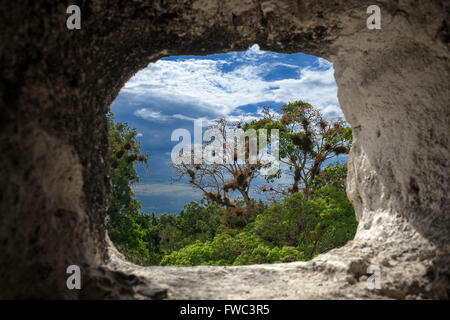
[(56, 85)]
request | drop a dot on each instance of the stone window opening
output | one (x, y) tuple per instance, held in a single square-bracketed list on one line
[(57, 85)]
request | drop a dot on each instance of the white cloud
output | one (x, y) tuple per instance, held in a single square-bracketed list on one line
[(204, 84), (150, 115), (324, 63), (183, 117), (254, 49)]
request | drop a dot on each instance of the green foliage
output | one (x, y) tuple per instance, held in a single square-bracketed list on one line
[(242, 214), (221, 251), (195, 222), (199, 222), (297, 229), (281, 224), (305, 223), (258, 255), (314, 225), (333, 175), (307, 140), (124, 230), (331, 221)]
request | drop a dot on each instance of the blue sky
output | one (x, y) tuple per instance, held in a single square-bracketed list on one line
[(172, 92)]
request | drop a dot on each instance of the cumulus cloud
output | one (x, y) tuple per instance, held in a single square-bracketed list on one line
[(221, 85)]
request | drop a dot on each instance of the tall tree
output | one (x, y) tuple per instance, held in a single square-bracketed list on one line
[(307, 141), (219, 180), (124, 212)]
